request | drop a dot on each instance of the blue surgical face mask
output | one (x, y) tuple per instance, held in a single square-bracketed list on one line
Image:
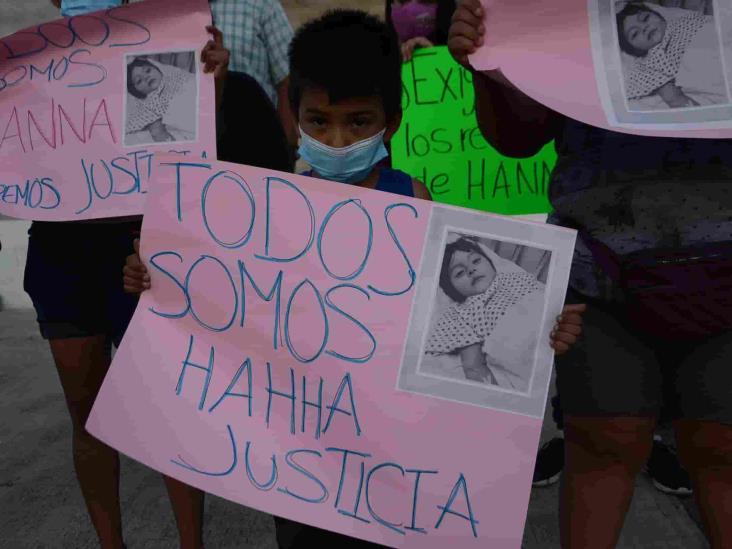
[(350, 164), (70, 8)]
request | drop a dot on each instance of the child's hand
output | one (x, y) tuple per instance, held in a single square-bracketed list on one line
[(475, 375), (412, 44), (568, 328), (466, 30), (136, 279), (214, 56), (159, 132), (675, 97)]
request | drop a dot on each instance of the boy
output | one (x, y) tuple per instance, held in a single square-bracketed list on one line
[(345, 93)]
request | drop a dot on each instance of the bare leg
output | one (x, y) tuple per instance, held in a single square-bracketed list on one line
[(705, 449), (602, 458), (187, 503), (82, 364)]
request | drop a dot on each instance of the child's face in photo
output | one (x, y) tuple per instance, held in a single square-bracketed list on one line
[(344, 123), (146, 79), (644, 30), (470, 273)]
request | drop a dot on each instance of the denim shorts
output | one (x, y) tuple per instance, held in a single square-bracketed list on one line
[(615, 371), (73, 275)]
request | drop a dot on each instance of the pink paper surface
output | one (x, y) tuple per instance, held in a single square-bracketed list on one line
[(545, 49), (62, 106), (145, 411)]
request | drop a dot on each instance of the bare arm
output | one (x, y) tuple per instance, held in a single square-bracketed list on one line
[(215, 59), (472, 360), (420, 190), (513, 123)]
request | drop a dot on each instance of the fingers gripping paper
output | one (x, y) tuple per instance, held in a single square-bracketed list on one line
[(587, 60)]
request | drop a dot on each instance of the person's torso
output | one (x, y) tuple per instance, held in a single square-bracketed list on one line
[(636, 192)]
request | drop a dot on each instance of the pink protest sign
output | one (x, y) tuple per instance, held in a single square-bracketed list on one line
[(294, 354), (586, 60), (86, 102)]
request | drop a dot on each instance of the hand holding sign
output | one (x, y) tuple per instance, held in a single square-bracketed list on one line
[(466, 31), (467, 34), (135, 276), (410, 45), (215, 59), (568, 328), (214, 56)]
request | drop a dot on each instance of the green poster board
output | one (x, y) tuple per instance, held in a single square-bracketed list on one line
[(440, 144)]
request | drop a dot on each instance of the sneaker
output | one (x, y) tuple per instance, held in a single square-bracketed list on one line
[(549, 463), (666, 472)]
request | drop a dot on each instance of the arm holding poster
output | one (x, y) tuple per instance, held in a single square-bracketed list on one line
[(512, 122), (215, 59)]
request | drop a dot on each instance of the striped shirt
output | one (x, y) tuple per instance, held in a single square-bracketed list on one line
[(258, 35)]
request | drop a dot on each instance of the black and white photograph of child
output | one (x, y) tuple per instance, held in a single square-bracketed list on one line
[(161, 95), (670, 54), (487, 313)]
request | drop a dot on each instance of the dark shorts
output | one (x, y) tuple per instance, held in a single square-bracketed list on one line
[(294, 535), (73, 275), (614, 371)]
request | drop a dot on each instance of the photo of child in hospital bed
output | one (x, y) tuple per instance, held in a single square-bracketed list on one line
[(161, 98), (486, 317), (670, 56)]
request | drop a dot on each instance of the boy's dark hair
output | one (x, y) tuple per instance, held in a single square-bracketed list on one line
[(137, 62), (348, 53), (629, 10), (462, 244)]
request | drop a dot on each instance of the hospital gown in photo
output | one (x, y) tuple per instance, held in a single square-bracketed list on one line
[(480, 316), (688, 55)]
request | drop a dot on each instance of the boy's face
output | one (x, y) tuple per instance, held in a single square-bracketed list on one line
[(344, 123), (644, 30), (470, 273)]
